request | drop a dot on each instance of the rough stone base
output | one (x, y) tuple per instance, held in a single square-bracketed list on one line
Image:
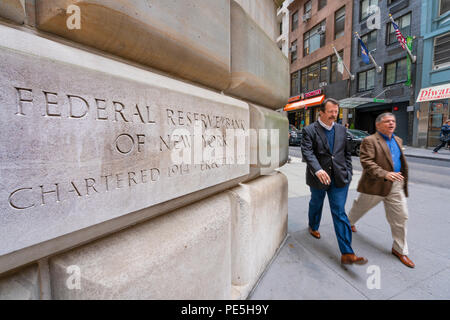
[(259, 225), (184, 254), (22, 285), (216, 248)]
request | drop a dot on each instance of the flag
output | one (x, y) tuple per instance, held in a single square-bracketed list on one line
[(340, 65), (409, 41), (399, 35), (364, 52)]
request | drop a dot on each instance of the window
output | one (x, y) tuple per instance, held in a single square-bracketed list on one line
[(396, 72), (294, 21), (295, 88), (404, 23), (293, 51), (314, 39), (281, 28), (313, 75), (307, 8), (391, 2), (444, 6), (370, 40), (335, 74), (323, 70), (364, 6), (441, 58), (322, 4), (366, 80), (339, 23)]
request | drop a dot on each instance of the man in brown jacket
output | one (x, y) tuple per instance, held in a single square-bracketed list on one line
[(384, 178)]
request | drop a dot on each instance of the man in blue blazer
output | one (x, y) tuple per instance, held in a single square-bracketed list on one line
[(326, 150)]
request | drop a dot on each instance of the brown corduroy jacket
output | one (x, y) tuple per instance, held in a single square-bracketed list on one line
[(376, 161)]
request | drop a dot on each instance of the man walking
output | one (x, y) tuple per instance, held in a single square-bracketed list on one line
[(327, 153), (384, 178)]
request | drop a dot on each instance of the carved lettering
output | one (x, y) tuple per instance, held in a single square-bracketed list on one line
[(49, 103), (22, 99), (84, 103), (14, 204)]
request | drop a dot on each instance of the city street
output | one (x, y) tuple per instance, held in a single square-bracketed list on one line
[(307, 268)]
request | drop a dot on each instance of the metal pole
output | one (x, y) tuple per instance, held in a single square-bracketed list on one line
[(352, 77), (379, 69), (413, 58)]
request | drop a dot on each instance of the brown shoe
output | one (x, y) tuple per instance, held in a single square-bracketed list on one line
[(315, 234), (353, 228), (404, 259), (351, 258)]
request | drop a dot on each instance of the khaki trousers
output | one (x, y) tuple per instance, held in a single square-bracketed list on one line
[(396, 213)]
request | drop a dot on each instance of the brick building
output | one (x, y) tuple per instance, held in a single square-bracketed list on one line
[(315, 27)]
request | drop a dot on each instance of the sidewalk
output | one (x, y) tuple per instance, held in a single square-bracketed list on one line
[(443, 154), (309, 268)]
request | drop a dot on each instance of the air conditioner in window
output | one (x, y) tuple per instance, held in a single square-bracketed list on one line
[(306, 17), (294, 48), (321, 30)]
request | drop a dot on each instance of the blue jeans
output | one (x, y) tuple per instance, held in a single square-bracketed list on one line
[(337, 198)]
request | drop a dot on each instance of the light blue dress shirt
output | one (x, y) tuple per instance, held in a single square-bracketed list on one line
[(395, 151)]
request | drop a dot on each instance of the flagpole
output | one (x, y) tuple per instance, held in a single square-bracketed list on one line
[(379, 69), (352, 76), (413, 58)]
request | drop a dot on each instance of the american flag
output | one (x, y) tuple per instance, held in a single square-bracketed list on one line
[(399, 35)]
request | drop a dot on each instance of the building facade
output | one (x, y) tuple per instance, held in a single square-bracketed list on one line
[(283, 27), (316, 26), (435, 73), (384, 89)]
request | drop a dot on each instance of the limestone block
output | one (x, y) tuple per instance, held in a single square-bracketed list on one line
[(259, 225), (271, 148), (13, 10), (22, 285), (189, 39), (264, 13), (259, 70), (86, 140), (184, 254)]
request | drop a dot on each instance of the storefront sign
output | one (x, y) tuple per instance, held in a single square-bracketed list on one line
[(434, 93), (313, 93)]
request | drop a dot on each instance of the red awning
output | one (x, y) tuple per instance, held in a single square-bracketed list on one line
[(304, 103)]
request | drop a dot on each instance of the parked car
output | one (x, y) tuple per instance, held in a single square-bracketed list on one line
[(295, 136), (357, 138)]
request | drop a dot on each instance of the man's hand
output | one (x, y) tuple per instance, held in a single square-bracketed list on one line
[(323, 177), (394, 176)]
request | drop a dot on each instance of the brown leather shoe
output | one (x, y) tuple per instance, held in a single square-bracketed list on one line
[(404, 259), (315, 234), (351, 258), (353, 228)]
